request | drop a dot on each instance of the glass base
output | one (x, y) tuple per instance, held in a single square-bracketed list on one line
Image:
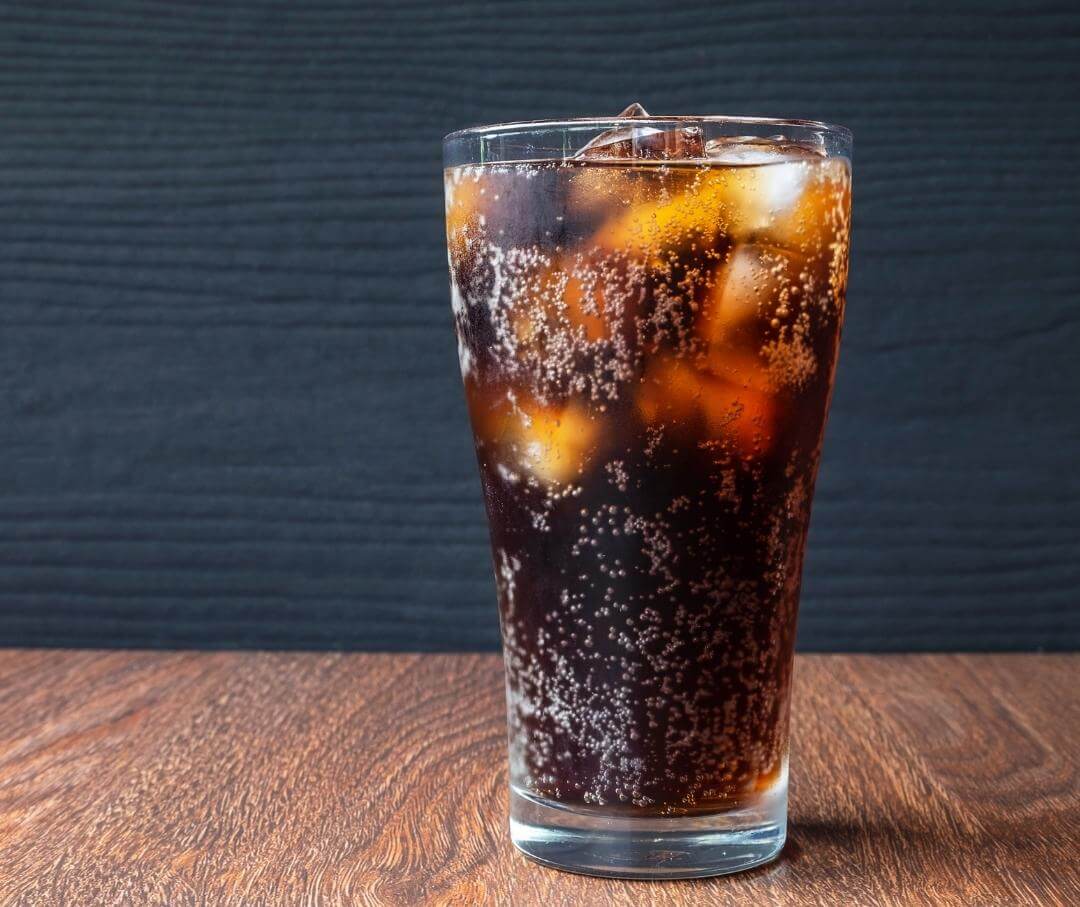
[(661, 847)]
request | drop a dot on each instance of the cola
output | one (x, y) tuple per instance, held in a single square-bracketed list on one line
[(647, 332)]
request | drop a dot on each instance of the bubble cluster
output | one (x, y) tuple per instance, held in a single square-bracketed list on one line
[(647, 349)]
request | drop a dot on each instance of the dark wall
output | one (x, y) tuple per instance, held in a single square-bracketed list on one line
[(229, 406)]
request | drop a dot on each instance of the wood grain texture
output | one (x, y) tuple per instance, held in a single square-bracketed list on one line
[(229, 407), (286, 779)]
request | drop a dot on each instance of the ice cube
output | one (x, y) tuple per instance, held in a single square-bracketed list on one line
[(756, 282), (467, 199), (737, 150), (742, 415), (645, 142), (761, 194), (467, 208), (552, 442), (781, 191), (819, 216), (586, 306), (691, 209), (596, 192), (732, 404), (700, 204), (557, 441), (564, 304), (669, 393)]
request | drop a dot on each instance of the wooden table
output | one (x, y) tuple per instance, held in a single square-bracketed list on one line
[(250, 779)]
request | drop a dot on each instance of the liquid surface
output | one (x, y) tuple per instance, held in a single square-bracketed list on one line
[(648, 351)]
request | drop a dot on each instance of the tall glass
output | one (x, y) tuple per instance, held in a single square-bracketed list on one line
[(648, 312)]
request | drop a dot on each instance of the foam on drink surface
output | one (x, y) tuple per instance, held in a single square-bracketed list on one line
[(647, 348)]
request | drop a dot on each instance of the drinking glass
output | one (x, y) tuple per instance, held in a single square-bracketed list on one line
[(648, 312)]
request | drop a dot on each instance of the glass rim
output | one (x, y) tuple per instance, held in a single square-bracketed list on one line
[(524, 126)]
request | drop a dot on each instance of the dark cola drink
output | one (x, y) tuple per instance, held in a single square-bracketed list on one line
[(647, 333)]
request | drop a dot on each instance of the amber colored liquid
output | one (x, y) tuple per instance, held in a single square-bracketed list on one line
[(648, 354)]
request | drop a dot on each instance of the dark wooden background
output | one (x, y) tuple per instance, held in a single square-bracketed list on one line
[(229, 407)]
